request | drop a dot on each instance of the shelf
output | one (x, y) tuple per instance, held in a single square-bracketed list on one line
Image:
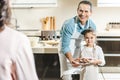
[(33, 3), (112, 55), (108, 3)]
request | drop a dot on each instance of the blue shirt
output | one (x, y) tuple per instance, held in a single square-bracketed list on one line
[(68, 29)]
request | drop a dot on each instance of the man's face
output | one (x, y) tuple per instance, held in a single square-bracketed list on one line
[(84, 12)]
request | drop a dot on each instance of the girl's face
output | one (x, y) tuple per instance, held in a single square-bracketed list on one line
[(90, 39)]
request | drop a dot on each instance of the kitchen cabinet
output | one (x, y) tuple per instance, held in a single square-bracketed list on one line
[(108, 3), (47, 66), (33, 3), (111, 49)]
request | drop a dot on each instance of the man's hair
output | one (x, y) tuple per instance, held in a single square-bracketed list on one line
[(5, 12), (85, 2)]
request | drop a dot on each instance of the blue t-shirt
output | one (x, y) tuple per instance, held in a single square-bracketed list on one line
[(68, 29)]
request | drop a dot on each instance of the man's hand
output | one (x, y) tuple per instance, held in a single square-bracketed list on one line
[(75, 62)]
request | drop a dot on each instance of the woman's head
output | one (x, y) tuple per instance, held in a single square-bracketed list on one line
[(89, 37), (5, 12)]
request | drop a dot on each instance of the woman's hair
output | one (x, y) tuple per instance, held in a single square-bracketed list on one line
[(5, 12), (85, 2), (88, 31)]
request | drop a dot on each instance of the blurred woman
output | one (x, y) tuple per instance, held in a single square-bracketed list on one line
[(16, 57)]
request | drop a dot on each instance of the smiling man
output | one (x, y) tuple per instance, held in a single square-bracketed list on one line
[(71, 38)]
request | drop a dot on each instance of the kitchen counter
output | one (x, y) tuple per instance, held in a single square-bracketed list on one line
[(45, 50), (53, 49), (112, 32), (109, 76), (46, 47)]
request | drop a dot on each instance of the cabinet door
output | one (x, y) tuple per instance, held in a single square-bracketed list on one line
[(108, 3), (33, 3)]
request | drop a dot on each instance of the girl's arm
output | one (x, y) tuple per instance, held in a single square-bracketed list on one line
[(101, 60)]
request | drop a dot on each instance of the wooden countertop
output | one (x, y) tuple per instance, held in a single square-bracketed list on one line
[(45, 50), (46, 47)]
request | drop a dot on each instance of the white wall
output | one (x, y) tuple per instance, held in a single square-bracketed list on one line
[(102, 16), (29, 18)]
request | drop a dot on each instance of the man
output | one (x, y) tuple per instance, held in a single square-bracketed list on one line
[(71, 38), (16, 57)]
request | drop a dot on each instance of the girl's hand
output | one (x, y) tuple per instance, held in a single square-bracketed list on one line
[(85, 60), (94, 62)]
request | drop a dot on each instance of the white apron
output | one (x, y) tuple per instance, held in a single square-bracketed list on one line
[(75, 45), (90, 72)]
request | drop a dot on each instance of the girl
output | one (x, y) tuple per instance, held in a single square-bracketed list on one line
[(91, 56)]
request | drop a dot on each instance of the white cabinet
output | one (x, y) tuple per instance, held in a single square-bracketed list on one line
[(108, 3), (33, 3)]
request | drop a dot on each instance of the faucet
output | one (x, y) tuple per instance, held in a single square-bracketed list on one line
[(16, 23), (55, 35)]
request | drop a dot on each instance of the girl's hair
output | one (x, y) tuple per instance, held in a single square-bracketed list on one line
[(5, 12), (88, 31)]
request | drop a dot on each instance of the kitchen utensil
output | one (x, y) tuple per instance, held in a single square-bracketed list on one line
[(51, 23), (45, 25)]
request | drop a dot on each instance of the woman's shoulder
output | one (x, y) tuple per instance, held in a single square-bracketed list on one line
[(15, 33)]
